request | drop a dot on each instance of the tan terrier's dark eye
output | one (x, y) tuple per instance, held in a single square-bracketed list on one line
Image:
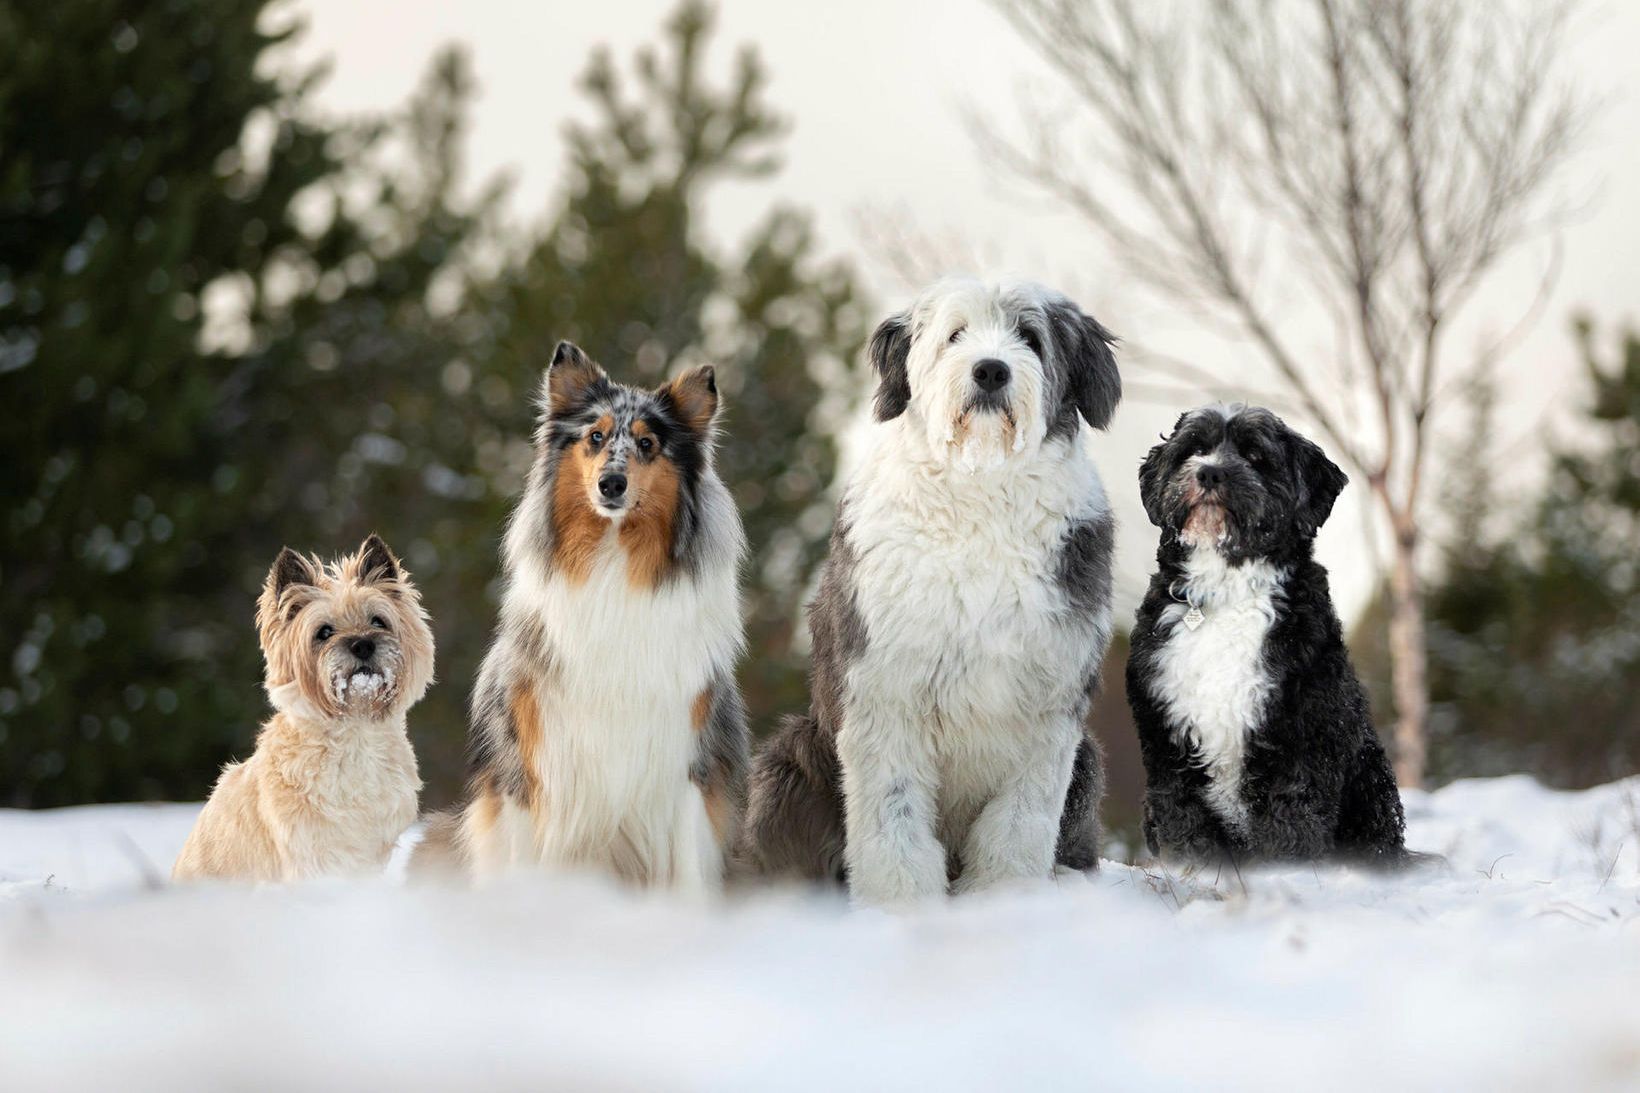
[(324, 632), (378, 622)]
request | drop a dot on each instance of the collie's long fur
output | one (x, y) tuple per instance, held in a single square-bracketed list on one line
[(607, 730), (962, 616), (332, 783), (1254, 730)]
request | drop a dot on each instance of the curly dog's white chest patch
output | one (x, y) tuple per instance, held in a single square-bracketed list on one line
[(1212, 680)]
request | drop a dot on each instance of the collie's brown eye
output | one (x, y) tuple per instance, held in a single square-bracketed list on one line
[(955, 334), (646, 445), (323, 633)]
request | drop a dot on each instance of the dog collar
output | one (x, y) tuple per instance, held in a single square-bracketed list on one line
[(1193, 617)]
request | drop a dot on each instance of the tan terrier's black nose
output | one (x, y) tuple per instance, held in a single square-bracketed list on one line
[(363, 648)]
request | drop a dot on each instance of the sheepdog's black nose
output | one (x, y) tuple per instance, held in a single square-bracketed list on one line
[(1210, 476), (991, 374), (612, 485), (363, 648)]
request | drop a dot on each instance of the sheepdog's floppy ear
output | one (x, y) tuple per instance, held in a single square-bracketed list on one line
[(570, 375), (376, 562), (889, 350), (1154, 473), (1320, 481), (693, 397), (1084, 346)]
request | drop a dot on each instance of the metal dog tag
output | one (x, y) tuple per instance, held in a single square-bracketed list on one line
[(1194, 617)]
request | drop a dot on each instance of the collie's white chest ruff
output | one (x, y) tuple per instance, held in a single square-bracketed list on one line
[(618, 723), (1212, 680)]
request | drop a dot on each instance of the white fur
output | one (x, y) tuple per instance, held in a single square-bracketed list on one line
[(959, 727), (617, 736), (1212, 679), (940, 371)]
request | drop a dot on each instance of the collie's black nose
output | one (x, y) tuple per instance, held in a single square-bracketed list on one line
[(363, 648), (612, 485), (1210, 476), (991, 374)]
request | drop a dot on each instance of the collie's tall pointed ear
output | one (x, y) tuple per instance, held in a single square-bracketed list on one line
[(1153, 474), (569, 377), (889, 352), (693, 397), (1091, 378), (1320, 481)]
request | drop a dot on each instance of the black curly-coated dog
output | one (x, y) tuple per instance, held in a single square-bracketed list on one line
[(1254, 729)]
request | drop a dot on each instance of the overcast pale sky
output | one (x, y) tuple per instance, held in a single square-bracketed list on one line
[(874, 91)]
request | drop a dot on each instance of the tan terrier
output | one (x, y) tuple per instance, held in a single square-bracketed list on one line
[(332, 783)]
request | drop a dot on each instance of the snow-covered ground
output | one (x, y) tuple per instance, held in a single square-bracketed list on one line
[(1519, 967)]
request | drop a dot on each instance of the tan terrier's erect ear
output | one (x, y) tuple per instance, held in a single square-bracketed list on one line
[(569, 375), (376, 562), (695, 396), (288, 569)]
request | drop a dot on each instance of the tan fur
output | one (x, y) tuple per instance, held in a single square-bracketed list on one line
[(646, 532), (719, 811), (332, 782), (577, 529), (526, 719)]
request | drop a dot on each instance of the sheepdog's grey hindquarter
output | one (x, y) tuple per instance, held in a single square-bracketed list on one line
[(962, 614)]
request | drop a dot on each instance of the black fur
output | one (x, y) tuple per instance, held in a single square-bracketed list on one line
[(1316, 782), (890, 347), (1093, 383)]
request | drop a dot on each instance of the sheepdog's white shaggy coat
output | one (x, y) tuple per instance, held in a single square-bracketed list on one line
[(963, 614)]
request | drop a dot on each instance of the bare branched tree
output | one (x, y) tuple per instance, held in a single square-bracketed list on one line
[(1360, 163)]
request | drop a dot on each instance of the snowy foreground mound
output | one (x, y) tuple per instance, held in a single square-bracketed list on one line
[(1517, 968)]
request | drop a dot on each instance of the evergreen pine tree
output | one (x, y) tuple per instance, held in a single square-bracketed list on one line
[(1536, 635)]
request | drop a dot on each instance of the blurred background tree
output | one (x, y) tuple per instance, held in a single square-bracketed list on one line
[(128, 184), (1534, 621), (1389, 155), (236, 324)]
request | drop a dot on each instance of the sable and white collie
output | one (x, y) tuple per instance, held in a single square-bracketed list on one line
[(607, 730), (962, 616)]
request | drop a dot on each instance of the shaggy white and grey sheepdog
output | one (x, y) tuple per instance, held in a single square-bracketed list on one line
[(962, 616)]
